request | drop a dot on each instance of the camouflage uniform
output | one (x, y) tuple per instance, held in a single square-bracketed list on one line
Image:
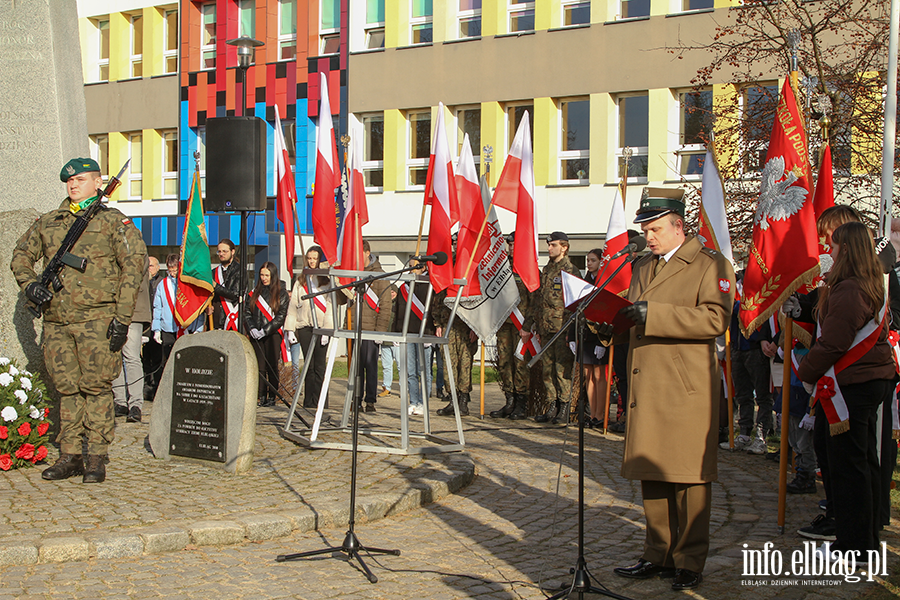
[(514, 373), (76, 348), (462, 350), (548, 313)]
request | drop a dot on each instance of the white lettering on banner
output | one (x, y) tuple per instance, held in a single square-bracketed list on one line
[(812, 562)]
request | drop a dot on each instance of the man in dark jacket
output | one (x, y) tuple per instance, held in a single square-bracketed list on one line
[(227, 277)]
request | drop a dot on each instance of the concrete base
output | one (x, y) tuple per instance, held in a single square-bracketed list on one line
[(243, 381)]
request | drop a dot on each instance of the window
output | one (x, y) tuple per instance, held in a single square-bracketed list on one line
[(635, 8), (373, 151), (246, 18), (169, 163), (687, 5), (100, 153), (287, 29), (759, 103), (576, 13), (514, 114), (521, 15), (170, 53), (137, 45), (419, 148), (421, 21), (575, 140), (469, 18), (208, 36), (330, 27), (696, 124), (374, 24), (468, 121), (135, 168), (634, 133), (103, 50)]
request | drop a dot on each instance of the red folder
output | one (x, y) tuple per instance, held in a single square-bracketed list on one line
[(605, 308)]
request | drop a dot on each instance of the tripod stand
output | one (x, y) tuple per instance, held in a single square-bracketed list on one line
[(581, 577), (351, 545)]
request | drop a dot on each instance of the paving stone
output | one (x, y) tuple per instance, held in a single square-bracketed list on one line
[(64, 549), (216, 533)]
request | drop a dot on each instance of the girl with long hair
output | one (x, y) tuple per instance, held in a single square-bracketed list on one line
[(265, 309)]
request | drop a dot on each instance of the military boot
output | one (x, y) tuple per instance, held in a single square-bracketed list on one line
[(563, 415), (803, 483), (551, 413), (94, 468), (520, 410), (448, 410), (464, 404), (507, 409), (67, 465)]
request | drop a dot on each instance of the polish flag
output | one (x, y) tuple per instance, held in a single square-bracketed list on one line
[(440, 194), (515, 192), (328, 178), (616, 240), (356, 213), (471, 207), (286, 193), (823, 197), (713, 227)]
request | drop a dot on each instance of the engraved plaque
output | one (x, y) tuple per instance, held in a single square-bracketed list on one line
[(198, 425)]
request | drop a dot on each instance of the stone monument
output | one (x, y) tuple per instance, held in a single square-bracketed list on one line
[(205, 406), (42, 125)]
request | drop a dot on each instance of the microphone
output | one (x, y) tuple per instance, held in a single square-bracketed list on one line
[(635, 244), (438, 258)]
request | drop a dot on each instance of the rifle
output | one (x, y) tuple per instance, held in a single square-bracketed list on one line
[(63, 256)]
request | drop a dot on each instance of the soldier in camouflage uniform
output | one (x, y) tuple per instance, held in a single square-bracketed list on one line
[(514, 372), (548, 312), (462, 343), (86, 321)]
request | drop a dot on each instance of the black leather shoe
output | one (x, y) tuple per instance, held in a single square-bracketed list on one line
[(67, 465), (134, 415), (644, 569), (121, 411), (686, 580)]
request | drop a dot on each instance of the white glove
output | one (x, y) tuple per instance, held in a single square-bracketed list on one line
[(291, 337), (810, 388), (324, 340), (256, 334), (144, 339), (600, 352), (808, 422), (791, 307), (157, 337), (572, 347)]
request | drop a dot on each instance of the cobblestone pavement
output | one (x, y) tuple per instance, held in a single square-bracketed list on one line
[(498, 537)]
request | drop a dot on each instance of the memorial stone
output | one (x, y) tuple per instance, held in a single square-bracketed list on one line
[(205, 406)]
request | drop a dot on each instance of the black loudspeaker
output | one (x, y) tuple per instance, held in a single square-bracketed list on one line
[(235, 164)]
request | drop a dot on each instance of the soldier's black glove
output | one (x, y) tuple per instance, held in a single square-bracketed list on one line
[(38, 293), (116, 334), (637, 312), (604, 331)]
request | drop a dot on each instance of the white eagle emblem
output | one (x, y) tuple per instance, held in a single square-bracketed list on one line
[(778, 200)]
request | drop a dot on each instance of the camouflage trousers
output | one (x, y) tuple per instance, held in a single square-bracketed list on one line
[(514, 373), (82, 367), (557, 362), (461, 353)]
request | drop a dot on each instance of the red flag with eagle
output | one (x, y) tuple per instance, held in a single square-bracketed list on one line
[(784, 253), (286, 192)]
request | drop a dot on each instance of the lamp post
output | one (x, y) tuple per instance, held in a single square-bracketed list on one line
[(245, 48)]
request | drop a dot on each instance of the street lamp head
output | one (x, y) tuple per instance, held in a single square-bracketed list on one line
[(245, 46)]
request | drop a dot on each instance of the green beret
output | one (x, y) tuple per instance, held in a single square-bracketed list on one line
[(656, 202), (76, 166)]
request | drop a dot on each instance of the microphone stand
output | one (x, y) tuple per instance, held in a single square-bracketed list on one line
[(351, 545), (581, 580)]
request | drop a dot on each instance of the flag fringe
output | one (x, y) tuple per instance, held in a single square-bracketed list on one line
[(804, 279), (839, 427)]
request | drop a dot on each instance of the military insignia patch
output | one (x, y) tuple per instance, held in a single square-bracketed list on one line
[(70, 169), (126, 221), (724, 285)]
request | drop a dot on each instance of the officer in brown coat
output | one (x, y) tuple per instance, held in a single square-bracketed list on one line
[(683, 295)]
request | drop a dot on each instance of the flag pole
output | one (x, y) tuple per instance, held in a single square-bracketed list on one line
[(609, 373), (345, 142), (729, 390), (421, 226), (482, 381), (785, 419)]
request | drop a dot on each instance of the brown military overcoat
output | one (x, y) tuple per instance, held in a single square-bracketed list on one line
[(673, 396)]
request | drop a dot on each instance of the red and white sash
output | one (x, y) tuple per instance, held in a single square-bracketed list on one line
[(319, 301), (372, 299), (828, 392), (894, 341), (170, 297), (266, 311), (534, 342), (230, 309), (417, 307)]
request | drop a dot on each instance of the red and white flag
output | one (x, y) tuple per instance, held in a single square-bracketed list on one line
[(784, 253), (823, 199), (471, 209), (515, 192), (285, 193), (440, 194), (616, 240), (328, 178), (713, 227), (356, 213)]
